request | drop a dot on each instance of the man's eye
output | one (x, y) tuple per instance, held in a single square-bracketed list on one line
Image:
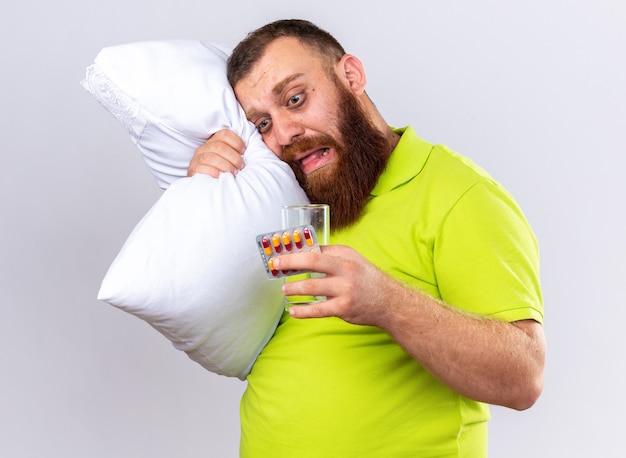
[(295, 99), (262, 126)]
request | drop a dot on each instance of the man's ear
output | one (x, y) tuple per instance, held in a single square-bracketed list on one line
[(351, 69)]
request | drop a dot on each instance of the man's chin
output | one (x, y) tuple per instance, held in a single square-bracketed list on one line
[(320, 179), (321, 173)]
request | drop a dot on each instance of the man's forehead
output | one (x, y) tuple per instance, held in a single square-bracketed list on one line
[(285, 54), (285, 61)]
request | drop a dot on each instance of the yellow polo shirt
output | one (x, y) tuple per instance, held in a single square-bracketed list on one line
[(326, 388)]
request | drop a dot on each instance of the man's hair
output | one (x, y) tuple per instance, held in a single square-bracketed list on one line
[(248, 52)]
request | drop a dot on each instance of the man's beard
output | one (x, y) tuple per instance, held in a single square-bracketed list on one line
[(361, 156)]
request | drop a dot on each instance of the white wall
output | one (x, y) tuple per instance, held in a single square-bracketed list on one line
[(533, 91)]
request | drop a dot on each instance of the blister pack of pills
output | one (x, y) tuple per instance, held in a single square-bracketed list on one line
[(283, 241)]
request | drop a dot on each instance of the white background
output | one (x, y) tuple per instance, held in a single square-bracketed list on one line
[(533, 91)]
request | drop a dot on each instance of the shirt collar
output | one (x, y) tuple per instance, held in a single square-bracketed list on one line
[(405, 163)]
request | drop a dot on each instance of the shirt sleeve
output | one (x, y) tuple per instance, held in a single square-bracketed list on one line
[(487, 258)]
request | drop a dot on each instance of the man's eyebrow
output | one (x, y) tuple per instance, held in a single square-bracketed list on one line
[(278, 87), (276, 90), (250, 114)]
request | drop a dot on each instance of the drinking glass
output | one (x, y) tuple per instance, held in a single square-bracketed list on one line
[(317, 216)]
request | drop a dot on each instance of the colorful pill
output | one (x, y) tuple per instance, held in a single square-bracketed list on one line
[(276, 243), (287, 241), (270, 264), (297, 238), (308, 237), (267, 248)]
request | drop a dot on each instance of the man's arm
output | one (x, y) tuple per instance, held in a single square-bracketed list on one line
[(483, 359)]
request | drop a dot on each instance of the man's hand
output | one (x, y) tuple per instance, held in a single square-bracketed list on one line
[(222, 152), (352, 284)]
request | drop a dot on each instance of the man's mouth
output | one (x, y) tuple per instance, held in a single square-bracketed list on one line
[(316, 159)]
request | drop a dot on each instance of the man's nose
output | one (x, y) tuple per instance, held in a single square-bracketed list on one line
[(286, 130)]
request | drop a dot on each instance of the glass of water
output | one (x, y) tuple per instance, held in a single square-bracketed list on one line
[(317, 216)]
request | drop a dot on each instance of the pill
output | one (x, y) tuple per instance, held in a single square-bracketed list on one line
[(287, 241), (276, 243), (297, 238), (270, 264), (267, 248), (307, 236)]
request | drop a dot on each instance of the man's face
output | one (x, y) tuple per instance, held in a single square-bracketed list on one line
[(288, 95), (314, 122)]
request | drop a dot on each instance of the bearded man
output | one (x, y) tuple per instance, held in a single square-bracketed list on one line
[(433, 306)]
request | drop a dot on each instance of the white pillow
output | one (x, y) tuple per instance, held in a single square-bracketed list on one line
[(191, 267)]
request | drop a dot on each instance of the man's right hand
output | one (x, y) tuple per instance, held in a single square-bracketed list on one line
[(222, 152)]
